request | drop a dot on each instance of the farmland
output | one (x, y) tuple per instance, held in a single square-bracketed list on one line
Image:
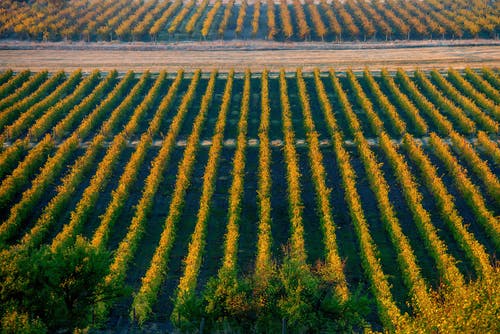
[(178, 20), (249, 166), (66, 57), (205, 190)]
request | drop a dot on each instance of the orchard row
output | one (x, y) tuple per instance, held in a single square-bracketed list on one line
[(165, 20)]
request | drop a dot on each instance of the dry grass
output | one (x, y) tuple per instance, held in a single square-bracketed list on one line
[(256, 60)]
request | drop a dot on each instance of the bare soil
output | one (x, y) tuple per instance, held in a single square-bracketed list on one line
[(241, 44), (242, 55)]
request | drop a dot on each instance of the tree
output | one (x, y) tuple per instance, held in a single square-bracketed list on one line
[(52, 289), (302, 295)]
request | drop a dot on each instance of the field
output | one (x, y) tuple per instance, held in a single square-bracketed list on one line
[(123, 58), (249, 166), (178, 20), (378, 185)]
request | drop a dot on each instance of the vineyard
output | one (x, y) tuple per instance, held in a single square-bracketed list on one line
[(283, 20), (228, 198)]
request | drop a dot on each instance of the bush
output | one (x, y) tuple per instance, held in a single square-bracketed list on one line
[(21, 323), (295, 292), (308, 302), (56, 290), (229, 301), (473, 309)]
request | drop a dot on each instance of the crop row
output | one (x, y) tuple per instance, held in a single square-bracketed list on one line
[(57, 169), (154, 276), (333, 20)]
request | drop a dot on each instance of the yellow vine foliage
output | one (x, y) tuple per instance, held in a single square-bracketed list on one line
[(255, 18), (489, 146), (397, 123), (200, 8), (263, 265), (446, 264), (210, 18), (478, 97), (295, 207), (120, 194), (444, 201), (441, 122), (318, 24), (271, 20), (225, 17), (390, 314), (154, 276), (286, 20), (174, 25), (333, 260), (470, 192), (236, 190), (241, 17), (445, 104)]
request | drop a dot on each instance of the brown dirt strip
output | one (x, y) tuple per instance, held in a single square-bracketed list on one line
[(407, 58), (242, 45)]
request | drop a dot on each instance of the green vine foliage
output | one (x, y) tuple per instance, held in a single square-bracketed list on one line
[(296, 294)]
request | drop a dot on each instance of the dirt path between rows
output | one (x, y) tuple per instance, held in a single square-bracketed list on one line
[(256, 60)]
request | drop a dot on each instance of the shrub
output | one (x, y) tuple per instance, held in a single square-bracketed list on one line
[(302, 295), (52, 289)]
